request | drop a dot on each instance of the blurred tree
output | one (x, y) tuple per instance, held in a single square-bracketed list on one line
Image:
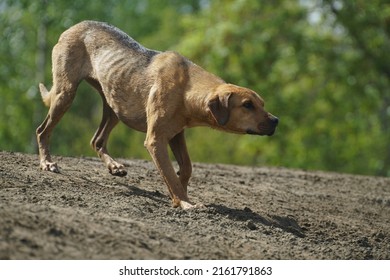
[(369, 31), (31, 29), (330, 94), (322, 67)]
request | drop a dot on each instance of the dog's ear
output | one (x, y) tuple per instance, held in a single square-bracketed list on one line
[(219, 108)]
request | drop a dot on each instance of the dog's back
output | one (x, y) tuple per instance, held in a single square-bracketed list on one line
[(105, 55), (101, 47), (99, 32)]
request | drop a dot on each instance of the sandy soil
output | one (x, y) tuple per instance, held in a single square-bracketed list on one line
[(251, 213)]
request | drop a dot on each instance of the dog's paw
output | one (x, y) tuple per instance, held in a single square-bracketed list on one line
[(49, 166), (117, 170), (185, 205)]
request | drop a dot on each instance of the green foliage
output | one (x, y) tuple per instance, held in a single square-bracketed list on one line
[(326, 89), (322, 66)]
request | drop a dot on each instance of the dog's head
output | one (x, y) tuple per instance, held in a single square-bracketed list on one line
[(241, 110)]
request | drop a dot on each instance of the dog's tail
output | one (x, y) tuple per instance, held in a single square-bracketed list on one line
[(45, 94)]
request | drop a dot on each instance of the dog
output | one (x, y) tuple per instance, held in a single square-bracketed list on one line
[(159, 93)]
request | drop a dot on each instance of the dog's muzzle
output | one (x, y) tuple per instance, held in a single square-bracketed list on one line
[(267, 127)]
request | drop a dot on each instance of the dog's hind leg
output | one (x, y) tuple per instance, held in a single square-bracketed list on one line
[(99, 140), (68, 67), (61, 97)]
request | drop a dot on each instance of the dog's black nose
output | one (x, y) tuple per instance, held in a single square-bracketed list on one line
[(274, 120)]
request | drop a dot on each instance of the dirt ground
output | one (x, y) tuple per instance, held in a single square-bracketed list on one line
[(250, 213)]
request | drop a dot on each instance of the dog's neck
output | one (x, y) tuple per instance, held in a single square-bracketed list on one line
[(198, 112), (197, 96)]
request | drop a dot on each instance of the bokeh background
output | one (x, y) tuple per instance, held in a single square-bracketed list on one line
[(323, 67)]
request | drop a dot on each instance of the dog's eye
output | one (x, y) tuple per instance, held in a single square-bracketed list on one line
[(248, 105)]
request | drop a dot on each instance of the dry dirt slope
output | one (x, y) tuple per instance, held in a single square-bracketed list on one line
[(251, 213)]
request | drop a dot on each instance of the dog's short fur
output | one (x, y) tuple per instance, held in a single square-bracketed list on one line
[(159, 93)]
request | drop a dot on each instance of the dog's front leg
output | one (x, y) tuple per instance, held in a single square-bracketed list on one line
[(158, 149), (179, 149)]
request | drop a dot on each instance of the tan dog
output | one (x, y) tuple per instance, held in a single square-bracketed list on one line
[(160, 93)]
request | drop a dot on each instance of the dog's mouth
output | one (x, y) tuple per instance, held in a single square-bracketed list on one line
[(266, 128), (271, 132), (261, 133), (252, 132)]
